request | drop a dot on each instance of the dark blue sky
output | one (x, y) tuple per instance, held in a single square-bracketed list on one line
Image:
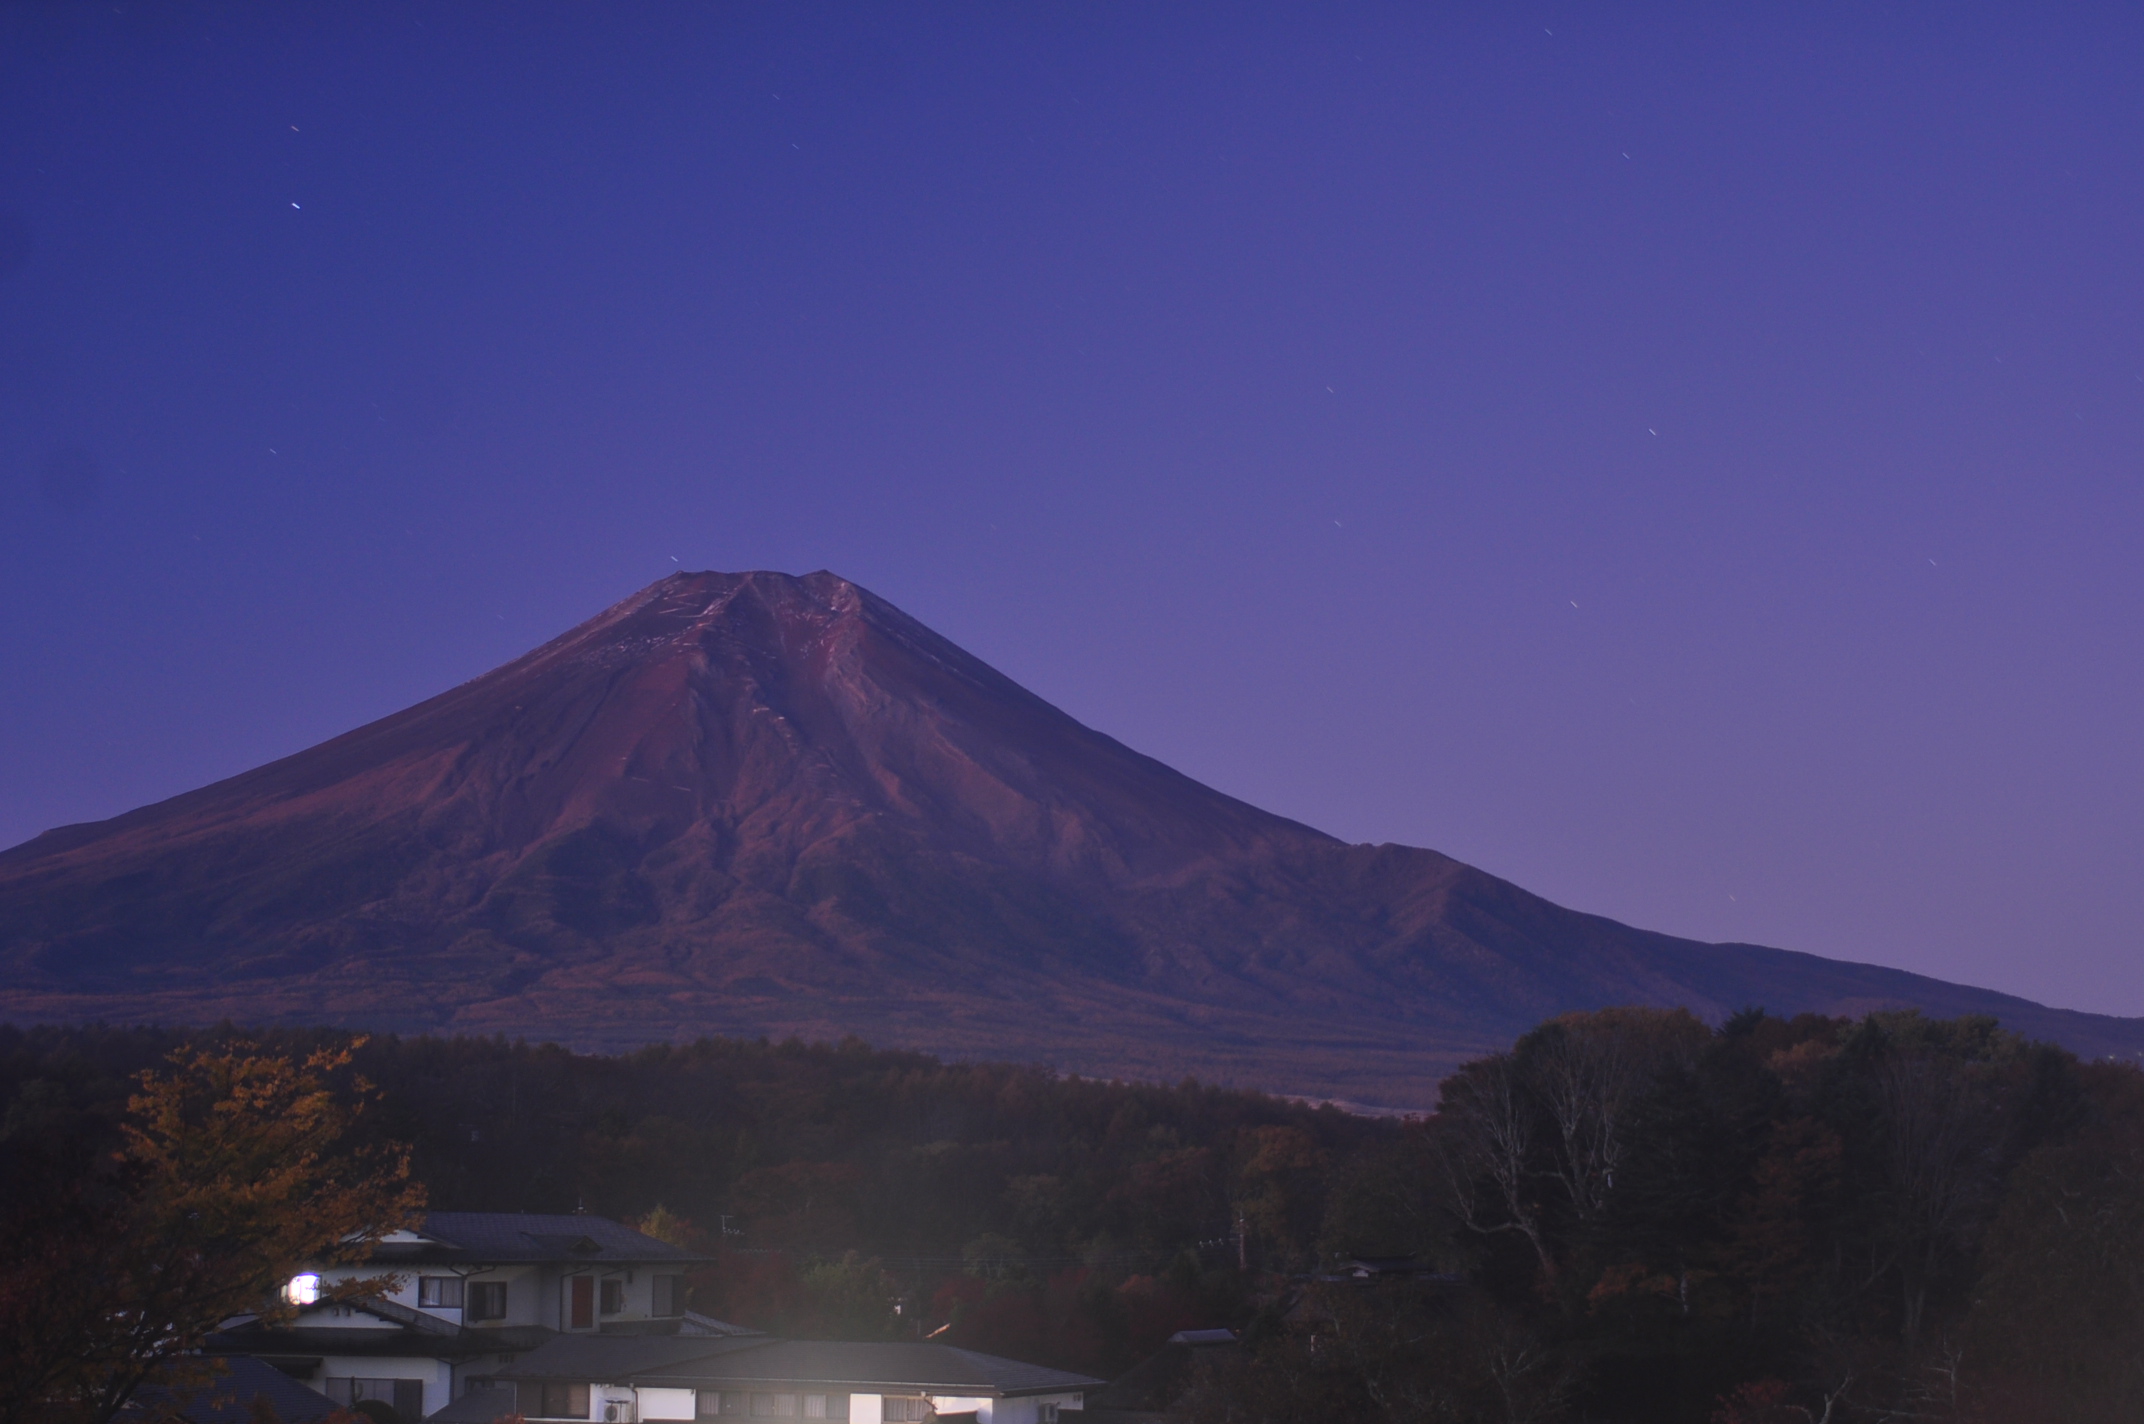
[(1684, 459)]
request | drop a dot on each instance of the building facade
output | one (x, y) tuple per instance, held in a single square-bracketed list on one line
[(470, 1291), (613, 1380)]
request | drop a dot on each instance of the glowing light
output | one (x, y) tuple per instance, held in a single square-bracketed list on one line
[(303, 1290)]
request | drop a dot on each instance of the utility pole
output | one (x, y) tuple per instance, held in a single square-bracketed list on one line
[(1243, 1244)]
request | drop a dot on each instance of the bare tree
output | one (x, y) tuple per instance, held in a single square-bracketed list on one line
[(1585, 1073), (1936, 1160), (1483, 1137)]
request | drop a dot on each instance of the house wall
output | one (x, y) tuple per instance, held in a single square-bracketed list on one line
[(638, 1287), (682, 1404), (1020, 1411), (536, 1293), (437, 1375), (342, 1317), (481, 1366)]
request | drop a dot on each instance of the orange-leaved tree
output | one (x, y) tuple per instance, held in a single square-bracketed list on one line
[(237, 1167)]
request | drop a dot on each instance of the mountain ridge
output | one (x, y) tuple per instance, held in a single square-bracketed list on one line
[(764, 803)]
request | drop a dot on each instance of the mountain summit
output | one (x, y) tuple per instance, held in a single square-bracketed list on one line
[(764, 804)]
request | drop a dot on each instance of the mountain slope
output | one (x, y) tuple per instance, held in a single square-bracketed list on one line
[(755, 803)]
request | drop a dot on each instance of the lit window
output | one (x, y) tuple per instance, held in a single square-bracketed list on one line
[(303, 1290)]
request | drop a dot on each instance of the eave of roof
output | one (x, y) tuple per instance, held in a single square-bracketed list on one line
[(476, 1237), (343, 1340), (856, 1366)]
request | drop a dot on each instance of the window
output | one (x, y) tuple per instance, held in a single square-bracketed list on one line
[(555, 1401), (439, 1292), (904, 1409), (814, 1406), (774, 1406), (613, 1297), (404, 1396), (1045, 1414), (487, 1300), (669, 1295)]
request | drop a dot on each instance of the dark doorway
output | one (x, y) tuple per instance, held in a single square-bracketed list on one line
[(584, 1303)]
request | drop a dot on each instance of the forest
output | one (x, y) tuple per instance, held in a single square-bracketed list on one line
[(1629, 1215)]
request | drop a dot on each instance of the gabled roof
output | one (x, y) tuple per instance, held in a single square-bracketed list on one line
[(468, 1238), (745, 1361), (400, 1331), (394, 1313)]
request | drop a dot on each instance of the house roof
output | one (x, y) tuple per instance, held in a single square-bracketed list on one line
[(619, 1359), (229, 1398), (401, 1331), (478, 1406), (482, 1237), (1203, 1337), (743, 1361), (690, 1323)]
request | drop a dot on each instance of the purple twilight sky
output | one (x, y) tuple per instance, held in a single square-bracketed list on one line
[(1683, 459)]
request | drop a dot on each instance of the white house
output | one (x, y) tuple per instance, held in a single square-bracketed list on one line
[(472, 1290), (622, 1380)]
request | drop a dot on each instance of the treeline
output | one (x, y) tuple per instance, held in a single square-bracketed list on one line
[(847, 1192), (811, 1149), (1632, 1216), (1816, 1219)]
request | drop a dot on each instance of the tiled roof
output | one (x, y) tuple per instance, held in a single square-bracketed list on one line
[(861, 1366), (229, 1399), (485, 1236), (395, 1335), (478, 1406), (616, 1359), (690, 1323)]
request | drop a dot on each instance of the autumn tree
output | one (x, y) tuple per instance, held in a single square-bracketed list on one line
[(234, 1167)]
